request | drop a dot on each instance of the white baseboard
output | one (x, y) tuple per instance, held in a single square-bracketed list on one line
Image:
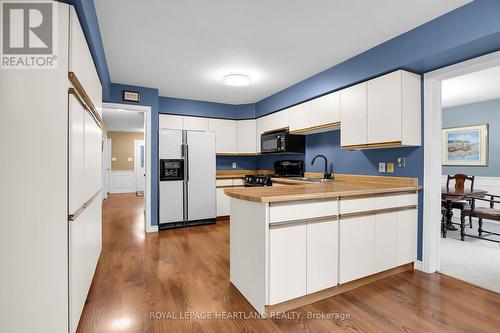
[(418, 265), (151, 228)]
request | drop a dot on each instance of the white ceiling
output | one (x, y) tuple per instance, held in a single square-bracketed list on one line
[(472, 88), (183, 48), (123, 120)]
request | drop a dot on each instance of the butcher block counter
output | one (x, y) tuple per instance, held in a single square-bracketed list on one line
[(299, 242), (343, 185)]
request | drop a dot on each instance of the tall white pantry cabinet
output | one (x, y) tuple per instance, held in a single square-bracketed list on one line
[(51, 136)]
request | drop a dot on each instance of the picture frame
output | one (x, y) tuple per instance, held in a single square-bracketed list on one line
[(465, 145), (131, 96)]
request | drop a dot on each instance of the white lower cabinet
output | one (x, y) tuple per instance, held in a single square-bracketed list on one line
[(223, 203), (385, 241), (322, 255), (406, 236), (357, 242), (287, 262)]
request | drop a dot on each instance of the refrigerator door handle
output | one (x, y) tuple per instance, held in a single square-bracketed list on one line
[(186, 162)]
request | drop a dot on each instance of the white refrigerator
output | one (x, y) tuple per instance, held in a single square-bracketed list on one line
[(187, 190)]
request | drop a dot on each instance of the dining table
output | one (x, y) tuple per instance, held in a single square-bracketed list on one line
[(450, 195)]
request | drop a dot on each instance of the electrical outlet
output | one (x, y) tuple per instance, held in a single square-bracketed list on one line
[(401, 162), (381, 167), (390, 167), (234, 165)]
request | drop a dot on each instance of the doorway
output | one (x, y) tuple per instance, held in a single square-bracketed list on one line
[(130, 157), (435, 180), (139, 167)]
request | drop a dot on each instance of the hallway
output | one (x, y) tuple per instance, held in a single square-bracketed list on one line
[(173, 281)]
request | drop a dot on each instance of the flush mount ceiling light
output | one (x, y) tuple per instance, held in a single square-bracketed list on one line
[(236, 80)]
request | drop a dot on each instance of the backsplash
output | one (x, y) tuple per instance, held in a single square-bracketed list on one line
[(242, 162)]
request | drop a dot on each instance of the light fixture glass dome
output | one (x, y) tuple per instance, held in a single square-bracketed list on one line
[(236, 80)]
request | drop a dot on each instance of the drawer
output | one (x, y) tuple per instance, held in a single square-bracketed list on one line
[(383, 201), (398, 200), (224, 182), (300, 210), (356, 204), (238, 182)]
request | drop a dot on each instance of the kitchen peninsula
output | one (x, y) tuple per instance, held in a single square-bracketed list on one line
[(298, 243)]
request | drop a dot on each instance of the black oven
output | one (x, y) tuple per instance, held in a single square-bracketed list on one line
[(282, 142)]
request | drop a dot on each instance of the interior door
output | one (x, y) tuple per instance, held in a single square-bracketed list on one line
[(106, 166), (140, 171), (201, 175)]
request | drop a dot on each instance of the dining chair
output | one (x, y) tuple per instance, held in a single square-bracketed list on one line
[(459, 180), (489, 213)]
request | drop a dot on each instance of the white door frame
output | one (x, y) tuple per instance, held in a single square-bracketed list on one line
[(138, 143), (148, 141), (432, 153)]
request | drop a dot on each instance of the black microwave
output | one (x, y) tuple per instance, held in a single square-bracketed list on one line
[(282, 142)]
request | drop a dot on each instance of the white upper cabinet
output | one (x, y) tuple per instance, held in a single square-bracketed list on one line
[(353, 115), (274, 121), (167, 121), (196, 123), (246, 142), (82, 64), (299, 116), (391, 115), (225, 135), (325, 110), (384, 108)]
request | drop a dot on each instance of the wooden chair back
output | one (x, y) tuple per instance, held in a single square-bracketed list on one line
[(460, 179)]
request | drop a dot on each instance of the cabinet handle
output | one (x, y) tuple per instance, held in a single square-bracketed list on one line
[(85, 97), (73, 217), (94, 116), (284, 224)]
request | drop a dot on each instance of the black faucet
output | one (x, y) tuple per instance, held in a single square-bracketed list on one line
[(326, 175)]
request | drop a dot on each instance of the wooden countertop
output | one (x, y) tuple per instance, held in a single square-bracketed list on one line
[(344, 185)]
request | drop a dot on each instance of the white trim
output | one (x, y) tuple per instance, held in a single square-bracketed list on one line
[(151, 228), (149, 140), (138, 143), (432, 152), (418, 265)]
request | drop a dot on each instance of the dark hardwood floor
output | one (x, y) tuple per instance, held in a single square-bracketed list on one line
[(173, 280)]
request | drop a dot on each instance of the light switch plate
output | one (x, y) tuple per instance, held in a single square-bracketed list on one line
[(113, 159), (390, 167), (130, 159), (234, 165), (381, 167), (401, 162)]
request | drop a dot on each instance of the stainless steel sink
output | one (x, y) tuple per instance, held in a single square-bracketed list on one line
[(315, 180)]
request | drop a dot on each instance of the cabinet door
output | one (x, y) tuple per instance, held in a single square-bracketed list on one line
[(385, 241), (407, 236), (246, 136), (325, 109), (77, 194), (322, 255), (287, 259), (81, 62), (260, 122), (93, 155), (167, 121), (222, 203), (356, 247), (277, 120), (384, 108), (225, 134), (299, 116), (353, 115), (196, 123)]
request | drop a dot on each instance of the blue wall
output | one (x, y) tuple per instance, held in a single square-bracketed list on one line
[(188, 107), (477, 114), (357, 162), (242, 162)]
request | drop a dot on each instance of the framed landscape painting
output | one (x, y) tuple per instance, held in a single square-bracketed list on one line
[(465, 145)]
